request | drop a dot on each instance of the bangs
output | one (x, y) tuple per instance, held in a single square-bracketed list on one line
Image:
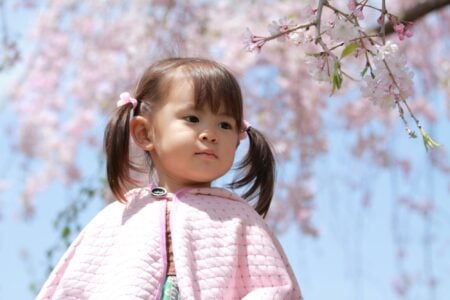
[(214, 87)]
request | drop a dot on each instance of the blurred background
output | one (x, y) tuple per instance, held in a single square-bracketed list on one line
[(362, 210)]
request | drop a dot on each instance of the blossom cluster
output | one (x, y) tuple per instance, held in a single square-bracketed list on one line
[(402, 29), (343, 30), (391, 79), (389, 82)]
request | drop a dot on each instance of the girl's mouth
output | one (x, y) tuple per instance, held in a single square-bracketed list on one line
[(207, 154)]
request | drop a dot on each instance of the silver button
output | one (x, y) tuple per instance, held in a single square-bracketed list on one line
[(159, 191)]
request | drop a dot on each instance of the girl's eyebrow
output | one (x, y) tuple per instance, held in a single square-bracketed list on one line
[(224, 114), (189, 106), (193, 107)]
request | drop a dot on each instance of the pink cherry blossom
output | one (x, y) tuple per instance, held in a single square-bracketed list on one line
[(402, 31), (321, 67), (253, 42), (282, 26), (342, 30), (381, 89), (355, 10)]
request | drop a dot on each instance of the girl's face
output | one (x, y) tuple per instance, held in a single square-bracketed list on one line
[(191, 147)]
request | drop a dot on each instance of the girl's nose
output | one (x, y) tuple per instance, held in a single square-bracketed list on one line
[(208, 136)]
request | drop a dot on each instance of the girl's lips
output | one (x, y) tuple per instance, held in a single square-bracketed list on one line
[(207, 154)]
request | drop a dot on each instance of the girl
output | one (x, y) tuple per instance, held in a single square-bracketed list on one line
[(179, 238)]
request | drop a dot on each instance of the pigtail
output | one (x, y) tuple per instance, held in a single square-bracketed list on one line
[(117, 148), (258, 167)]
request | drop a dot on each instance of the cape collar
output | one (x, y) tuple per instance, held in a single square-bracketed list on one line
[(180, 194)]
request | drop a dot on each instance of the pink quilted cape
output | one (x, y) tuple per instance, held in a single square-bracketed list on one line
[(222, 250)]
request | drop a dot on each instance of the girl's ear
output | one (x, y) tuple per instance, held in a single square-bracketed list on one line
[(141, 131)]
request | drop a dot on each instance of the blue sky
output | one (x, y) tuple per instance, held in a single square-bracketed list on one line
[(354, 258)]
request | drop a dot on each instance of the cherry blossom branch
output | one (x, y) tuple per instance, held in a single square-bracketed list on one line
[(394, 81), (319, 16), (338, 11), (429, 143), (358, 39), (347, 32), (382, 21), (318, 22), (296, 28), (254, 42), (401, 113)]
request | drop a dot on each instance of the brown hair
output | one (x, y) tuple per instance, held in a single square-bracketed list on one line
[(214, 86)]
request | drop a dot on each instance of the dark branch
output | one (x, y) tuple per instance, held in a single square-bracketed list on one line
[(415, 13)]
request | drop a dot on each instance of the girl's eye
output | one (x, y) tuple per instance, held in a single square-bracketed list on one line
[(192, 119), (225, 125)]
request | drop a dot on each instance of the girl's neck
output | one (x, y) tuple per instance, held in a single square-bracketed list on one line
[(173, 186)]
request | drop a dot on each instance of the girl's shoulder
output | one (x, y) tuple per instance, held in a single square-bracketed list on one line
[(220, 201), (215, 192), (137, 195), (135, 199)]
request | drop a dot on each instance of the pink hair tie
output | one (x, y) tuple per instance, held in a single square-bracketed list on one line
[(125, 98), (245, 126)]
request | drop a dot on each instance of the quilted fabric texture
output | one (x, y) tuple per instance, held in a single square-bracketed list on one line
[(222, 250)]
